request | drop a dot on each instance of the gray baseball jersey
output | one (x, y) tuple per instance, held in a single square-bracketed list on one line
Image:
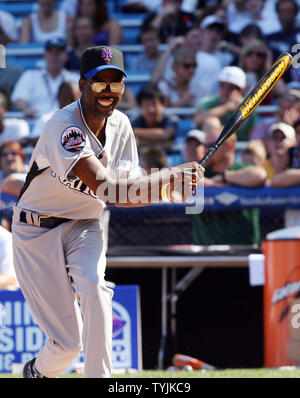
[(51, 263), (53, 189)]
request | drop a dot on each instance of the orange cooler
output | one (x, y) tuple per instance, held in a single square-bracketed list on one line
[(281, 292)]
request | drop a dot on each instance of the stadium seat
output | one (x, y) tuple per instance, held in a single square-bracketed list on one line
[(19, 8), (135, 81), (184, 125)]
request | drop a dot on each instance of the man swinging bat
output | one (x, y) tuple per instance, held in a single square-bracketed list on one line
[(83, 161)]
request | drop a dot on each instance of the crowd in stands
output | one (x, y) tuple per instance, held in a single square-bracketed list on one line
[(199, 54)]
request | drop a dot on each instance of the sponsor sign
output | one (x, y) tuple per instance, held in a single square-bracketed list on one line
[(21, 338)]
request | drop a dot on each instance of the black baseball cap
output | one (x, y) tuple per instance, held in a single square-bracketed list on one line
[(95, 59), (56, 43)]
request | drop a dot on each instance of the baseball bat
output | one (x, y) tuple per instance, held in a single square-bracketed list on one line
[(250, 103)]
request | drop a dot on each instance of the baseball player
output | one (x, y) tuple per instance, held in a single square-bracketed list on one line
[(83, 161)]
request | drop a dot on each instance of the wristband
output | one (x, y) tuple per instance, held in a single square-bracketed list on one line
[(164, 193), (223, 176)]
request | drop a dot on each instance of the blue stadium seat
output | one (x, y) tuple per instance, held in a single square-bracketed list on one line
[(184, 125), (135, 81), (131, 35), (19, 8), (26, 55)]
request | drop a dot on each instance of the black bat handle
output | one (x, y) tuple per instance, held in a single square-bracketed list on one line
[(208, 155)]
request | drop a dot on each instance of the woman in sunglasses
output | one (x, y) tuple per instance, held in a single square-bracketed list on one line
[(255, 59), (180, 90)]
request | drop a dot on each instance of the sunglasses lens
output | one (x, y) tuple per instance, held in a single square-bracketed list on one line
[(188, 66), (257, 53), (98, 87), (116, 87)]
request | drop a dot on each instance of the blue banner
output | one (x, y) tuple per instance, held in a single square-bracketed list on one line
[(214, 199), (265, 197), (21, 338)]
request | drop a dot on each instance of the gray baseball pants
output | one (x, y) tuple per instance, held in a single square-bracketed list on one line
[(57, 269)]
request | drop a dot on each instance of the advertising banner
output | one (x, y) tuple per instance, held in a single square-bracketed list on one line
[(21, 338)]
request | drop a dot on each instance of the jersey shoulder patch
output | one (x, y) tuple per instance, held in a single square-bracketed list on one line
[(73, 139)]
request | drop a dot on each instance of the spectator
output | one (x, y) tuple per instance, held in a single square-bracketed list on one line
[(12, 177), (68, 92), (11, 129), (153, 159), (255, 60), (171, 21), (237, 42), (222, 105), (288, 112), (7, 270), (236, 11), (294, 152), (213, 31), (153, 126), (282, 138), (81, 38), (8, 28), (146, 60), (230, 226), (181, 90), (47, 23), (254, 15), (35, 92), (211, 123), (288, 34), (255, 153), (194, 145), (107, 30), (128, 101), (286, 164), (250, 32), (12, 160), (208, 65)]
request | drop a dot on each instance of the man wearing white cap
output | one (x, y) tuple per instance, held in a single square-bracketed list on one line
[(194, 145), (282, 138), (285, 160), (232, 83)]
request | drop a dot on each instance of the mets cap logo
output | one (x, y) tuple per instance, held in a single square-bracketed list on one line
[(106, 54), (73, 139)]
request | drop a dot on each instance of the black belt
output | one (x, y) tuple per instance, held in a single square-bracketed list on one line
[(42, 221)]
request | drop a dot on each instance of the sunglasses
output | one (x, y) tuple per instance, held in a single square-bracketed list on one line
[(257, 53), (209, 144), (278, 138), (188, 66), (6, 154), (114, 87)]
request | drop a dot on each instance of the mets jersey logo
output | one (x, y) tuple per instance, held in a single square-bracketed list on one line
[(106, 54), (73, 139)]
